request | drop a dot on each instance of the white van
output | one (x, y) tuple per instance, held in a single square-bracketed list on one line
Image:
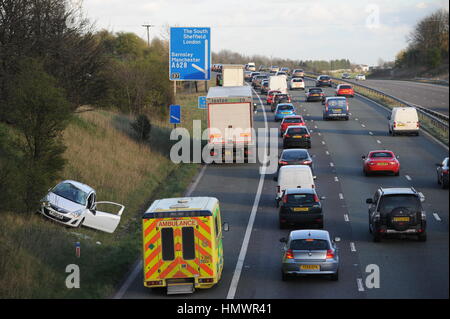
[(293, 176), (278, 83), (404, 120)]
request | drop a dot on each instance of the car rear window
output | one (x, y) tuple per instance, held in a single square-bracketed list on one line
[(297, 130), (337, 103), (345, 87), (324, 78), (285, 107), (294, 155), (390, 202), (309, 244), (381, 154), (273, 93), (293, 120), (297, 80), (315, 90), (300, 199)]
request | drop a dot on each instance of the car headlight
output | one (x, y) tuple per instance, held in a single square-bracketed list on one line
[(45, 203), (75, 214)]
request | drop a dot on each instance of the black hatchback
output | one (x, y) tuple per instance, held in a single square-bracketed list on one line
[(297, 136), (300, 206), (296, 156)]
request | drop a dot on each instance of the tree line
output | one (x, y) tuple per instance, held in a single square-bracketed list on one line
[(427, 43), (51, 62)]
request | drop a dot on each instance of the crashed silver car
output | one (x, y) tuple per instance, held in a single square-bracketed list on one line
[(74, 204)]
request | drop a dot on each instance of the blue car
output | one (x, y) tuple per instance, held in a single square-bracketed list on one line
[(284, 109), (336, 108)]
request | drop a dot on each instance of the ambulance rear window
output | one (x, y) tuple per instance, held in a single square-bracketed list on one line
[(188, 243), (168, 251)]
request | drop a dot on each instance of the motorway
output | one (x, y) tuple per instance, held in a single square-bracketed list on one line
[(408, 268), (431, 96)]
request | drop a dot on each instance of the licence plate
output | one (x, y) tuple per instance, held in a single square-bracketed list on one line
[(400, 124), (401, 219), (337, 110), (285, 112), (382, 164), (227, 152), (297, 136), (314, 94), (309, 267), (55, 214), (300, 209)]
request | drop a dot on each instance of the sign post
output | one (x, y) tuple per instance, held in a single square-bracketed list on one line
[(202, 102), (190, 54), (175, 115)]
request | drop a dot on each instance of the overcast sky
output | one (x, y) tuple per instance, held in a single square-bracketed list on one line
[(360, 30)]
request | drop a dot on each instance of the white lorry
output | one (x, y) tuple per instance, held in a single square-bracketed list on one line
[(278, 83), (230, 122), (232, 75)]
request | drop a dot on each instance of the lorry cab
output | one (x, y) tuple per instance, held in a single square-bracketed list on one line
[(182, 244)]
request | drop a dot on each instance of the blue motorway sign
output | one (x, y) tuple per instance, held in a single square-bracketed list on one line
[(175, 114), (190, 54), (202, 102)]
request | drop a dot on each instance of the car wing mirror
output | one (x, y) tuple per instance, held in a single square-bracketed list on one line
[(438, 164), (422, 197), (283, 240), (369, 201), (363, 157)]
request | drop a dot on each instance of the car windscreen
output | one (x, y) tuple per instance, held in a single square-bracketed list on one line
[(326, 78), (390, 202), (294, 155), (281, 96), (70, 192), (300, 199), (345, 87), (297, 130), (381, 154), (309, 244), (337, 103), (285, 107), (293, 120)]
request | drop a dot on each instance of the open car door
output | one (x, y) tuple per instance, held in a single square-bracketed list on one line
[(103, 221)]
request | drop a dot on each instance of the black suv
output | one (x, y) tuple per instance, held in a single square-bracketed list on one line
[(397, 211)]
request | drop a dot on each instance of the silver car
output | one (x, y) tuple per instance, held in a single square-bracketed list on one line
[(310, 252)]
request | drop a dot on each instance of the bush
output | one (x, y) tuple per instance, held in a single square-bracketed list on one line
[(142, 127)]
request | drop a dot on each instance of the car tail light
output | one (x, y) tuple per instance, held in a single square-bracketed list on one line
[(306, 135), (307, 162), (153, 283), (392, 163), (278, 189), (206, 280), (289, 254), (282, 162), (285, 199), (445, 171), (417, 124), (347, 107), (330, 254), (395, 124), (326, 108), (287, 135), (316, 198)]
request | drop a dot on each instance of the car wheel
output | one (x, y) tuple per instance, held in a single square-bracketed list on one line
[(376, 238), (335, 276), (422, 237)]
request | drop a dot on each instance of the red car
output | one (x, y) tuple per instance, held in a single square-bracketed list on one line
[(381, 161), (289, 121), (345, 90), (270, 95)]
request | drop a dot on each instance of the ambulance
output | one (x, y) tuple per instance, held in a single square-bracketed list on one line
[(182, 244)]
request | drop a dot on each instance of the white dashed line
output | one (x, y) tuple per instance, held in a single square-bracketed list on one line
[(326, 152), (356, 119), (363, 125), (370, 133), (346, 218), (332, 164), (359, 281), (436, 216), (319, 134), (336, 179), (352, 246), (378, 141), (341, 196), (408, 177), (315, 126), (323, 142)]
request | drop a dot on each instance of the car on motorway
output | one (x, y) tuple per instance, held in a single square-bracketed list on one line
[(293, 176), (264, 88), (279, 98), (256, 80), (295, 156), (336, 108), (324, 80), (250, 66), (442, 173), (397, 212), (310, 252), (270, 96), (74, 204), (381, 161), (360, 77), (315, 94), (286, 70), (345, 90), (297, 136), (346, 76), (297, 84), (300, 206), (247, 76), (284, 109), (404, 120), (274, 69), (298, 73), (290, 121)]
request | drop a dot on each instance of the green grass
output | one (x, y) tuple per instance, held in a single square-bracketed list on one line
[(101, 152)]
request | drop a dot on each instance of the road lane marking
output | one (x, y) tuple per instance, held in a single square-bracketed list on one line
[(323, 142), (356, 119), (378, 141), (319, 134), (326, 152), (436, 216), (352, 246), (363, 125), (332, 164), (408, 177), (243, 252), (346, 218), (315, 126), (341, 196), (336, 179), (359, 282), (370, 133)]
